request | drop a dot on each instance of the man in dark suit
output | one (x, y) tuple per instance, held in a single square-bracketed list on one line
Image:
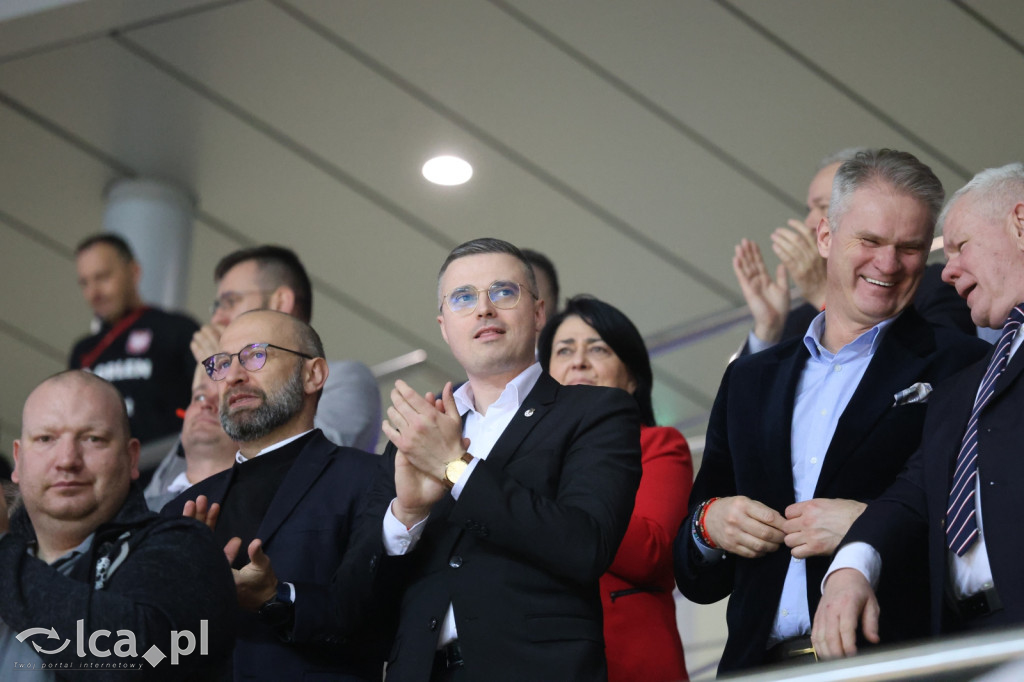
[(508, 498), (970, 454), (803, 434), (769, 297), (285, 511)]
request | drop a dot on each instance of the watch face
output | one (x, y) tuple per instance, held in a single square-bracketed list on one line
[(454, 470)]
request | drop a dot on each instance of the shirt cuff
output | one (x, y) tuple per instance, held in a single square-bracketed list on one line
[(756, 345), (708, 554), (860, 556), (397, 538)]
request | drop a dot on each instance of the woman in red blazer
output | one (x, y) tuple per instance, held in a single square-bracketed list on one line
[(592, 342)]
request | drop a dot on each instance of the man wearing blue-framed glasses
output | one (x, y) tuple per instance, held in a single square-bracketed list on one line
[(505, 500)]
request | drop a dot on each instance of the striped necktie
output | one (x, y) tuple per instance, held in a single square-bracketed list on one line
[(961, 524)]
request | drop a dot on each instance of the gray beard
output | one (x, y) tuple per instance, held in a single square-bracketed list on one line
[(249, 425)]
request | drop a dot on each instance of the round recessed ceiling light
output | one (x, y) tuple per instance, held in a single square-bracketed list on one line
[(447, 170)]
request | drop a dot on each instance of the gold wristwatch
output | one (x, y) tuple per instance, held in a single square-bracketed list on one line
[(454, 469)]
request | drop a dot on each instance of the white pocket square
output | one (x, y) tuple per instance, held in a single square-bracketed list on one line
[(918, 393)]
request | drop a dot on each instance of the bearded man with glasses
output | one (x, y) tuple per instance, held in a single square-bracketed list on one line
[(502, 503), (285, 512), (271, 277)]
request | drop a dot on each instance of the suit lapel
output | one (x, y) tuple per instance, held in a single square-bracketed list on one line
[(780, 380), (311, 461), (898, 362), (533, 410), (219, 485)]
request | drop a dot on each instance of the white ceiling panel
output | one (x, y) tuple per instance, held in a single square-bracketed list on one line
[(629, 165), (1005, 17), (251, 183), (37, 272), (922, 63), (347, 113), (725, 80), (83, 20), (49, 185)]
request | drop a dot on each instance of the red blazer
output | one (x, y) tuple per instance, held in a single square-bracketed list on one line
[(640, 632)]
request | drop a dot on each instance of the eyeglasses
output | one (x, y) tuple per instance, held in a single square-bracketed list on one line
[(252, 358), (503, 295), (229, 299)]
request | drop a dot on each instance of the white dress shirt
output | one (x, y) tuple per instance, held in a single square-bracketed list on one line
[(242, 459)]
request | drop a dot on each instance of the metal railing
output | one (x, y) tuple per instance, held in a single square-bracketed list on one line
[(963, 657)]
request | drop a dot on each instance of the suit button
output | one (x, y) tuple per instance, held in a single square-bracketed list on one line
[(455, 561)]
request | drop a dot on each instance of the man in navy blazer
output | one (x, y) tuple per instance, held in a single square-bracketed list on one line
[(505, 501), (803, 434), (285, 511), (983, 230), (768, 297)]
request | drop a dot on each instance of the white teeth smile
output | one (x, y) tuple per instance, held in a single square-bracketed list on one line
[(878, 282)]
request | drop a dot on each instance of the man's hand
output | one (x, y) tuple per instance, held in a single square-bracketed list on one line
[(767, 298), (206, 341), (202, 511), (847, 600), (428, 434), (816, 527), (428, 437), (416, 492), (744, 527), (256, 582), (797, 248)]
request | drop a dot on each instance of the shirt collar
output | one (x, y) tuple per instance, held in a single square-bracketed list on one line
[(179, 484), (866, 343), (242, 459), (515, 390), (69, 556)]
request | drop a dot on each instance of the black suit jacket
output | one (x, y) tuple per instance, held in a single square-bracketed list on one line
[(306, 532), (520, 553), (747, 452), (915, 506), (936, 301)]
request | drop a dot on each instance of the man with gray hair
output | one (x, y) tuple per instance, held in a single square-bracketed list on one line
[(802, 434), (768, 297), (969, 456)]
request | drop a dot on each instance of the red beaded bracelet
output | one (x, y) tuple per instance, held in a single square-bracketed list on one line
[(700, 524)]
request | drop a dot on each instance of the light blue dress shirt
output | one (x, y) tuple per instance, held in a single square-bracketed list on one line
[(826, 385)]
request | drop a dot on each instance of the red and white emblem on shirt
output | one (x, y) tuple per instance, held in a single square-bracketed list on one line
[(139, 341)]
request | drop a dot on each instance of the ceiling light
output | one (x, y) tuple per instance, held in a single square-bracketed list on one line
[(447, 170)]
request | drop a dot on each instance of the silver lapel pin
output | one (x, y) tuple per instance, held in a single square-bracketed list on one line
[(529, 412)]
